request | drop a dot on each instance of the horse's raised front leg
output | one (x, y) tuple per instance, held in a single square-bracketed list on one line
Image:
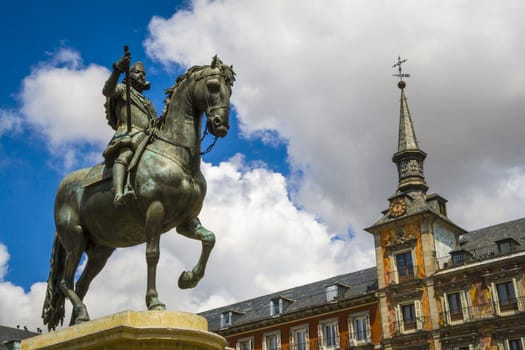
[(194, 230), (154, 218)]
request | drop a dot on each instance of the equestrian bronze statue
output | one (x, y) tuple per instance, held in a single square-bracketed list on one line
[(168, 192)]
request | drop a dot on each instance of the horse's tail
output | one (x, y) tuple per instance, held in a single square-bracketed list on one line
[(53, 309)]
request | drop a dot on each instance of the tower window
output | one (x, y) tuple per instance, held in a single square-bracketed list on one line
[(405, 267)]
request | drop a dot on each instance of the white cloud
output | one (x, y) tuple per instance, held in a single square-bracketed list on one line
[(63, 101), (319, 75), (316, 77), (251, 214), (4, 258), (10, 122), (18, 307)]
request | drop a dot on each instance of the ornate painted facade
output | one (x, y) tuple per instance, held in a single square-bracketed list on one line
[(435, 286)]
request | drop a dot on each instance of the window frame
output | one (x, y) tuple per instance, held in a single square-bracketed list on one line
[(414, 326), (332, 292), (248, 340), (451, 317), (276, 306), (521, 343), (410, 273), (509, 307), (226, 319), (323, 337), (266, 336), (352, 332), (306, 341)]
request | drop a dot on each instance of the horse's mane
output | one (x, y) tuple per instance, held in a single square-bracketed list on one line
[(225, 70)]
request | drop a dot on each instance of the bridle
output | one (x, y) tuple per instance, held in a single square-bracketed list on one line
[(209, 110)]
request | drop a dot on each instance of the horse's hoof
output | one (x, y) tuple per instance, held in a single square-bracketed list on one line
[(80, 320), (158, 307), (188, 279), (155, 304)]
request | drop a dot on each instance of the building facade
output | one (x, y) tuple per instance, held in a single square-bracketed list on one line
[(435, 286)]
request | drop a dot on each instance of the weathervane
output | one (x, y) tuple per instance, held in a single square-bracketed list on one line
[(398, 65)]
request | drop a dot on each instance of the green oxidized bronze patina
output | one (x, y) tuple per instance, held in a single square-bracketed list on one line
[(166, 184)]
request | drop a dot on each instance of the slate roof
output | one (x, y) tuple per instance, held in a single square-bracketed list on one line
[(305, 297), (482, 243), (8, 333)]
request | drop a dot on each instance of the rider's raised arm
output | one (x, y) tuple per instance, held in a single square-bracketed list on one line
[(119, 67)]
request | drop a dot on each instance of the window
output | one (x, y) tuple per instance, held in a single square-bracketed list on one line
[(455, 306), (331, 292), (515, 344), (276, 306), (245, 344), (359, 329), (272, 341), (458, 258), (226, 319), (504, 246), (299, 339), (506, 296), (405, 268), (329, 334), (409, 317)]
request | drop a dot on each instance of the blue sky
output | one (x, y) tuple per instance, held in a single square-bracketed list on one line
[(307, 162), (29, 181)]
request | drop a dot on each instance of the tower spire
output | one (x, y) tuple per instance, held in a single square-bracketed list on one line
[(409, 157)]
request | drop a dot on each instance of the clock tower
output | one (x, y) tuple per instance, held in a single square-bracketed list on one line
[(412, 238)]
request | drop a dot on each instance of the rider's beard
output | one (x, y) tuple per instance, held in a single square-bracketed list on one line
[(138, 85)]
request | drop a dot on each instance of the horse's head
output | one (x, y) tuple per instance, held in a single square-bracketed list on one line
[(214, 91)]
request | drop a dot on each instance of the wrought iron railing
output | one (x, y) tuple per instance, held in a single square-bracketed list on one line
[(305, 345), (358, 338), (402, 275), (485, 310), (330, 343), (409, 326), (460, 258)]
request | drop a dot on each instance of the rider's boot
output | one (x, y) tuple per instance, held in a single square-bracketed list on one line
[(122, 194)]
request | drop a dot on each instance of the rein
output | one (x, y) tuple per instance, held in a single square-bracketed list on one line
[(189, 148), (210, 147)]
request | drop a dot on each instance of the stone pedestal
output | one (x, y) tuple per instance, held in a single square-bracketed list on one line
[(130, 330)]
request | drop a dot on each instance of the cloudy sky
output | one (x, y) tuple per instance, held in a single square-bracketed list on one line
[(307, 163)]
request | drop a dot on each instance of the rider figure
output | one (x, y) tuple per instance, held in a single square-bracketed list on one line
[(123, 145)]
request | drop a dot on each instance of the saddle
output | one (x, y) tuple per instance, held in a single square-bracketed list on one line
[(101, 172)]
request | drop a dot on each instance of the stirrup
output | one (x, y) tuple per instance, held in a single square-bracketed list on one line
[(123, 198)]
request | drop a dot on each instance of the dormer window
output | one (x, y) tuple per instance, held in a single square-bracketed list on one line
[(460, 257), (334, 291), (226, 319), (276, 306), (506, 246)]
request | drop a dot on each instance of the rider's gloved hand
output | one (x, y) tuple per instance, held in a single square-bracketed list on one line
[(123, 63)]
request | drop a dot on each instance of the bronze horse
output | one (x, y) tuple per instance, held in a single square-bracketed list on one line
[(170, 190)]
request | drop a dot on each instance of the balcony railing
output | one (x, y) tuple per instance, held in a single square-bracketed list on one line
[(486, 310), (358, 338), (331, 343), (409, 326), (300, 346), (475, 255), (405, 274)]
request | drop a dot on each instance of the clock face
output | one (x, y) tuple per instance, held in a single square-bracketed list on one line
[(397, 207)]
